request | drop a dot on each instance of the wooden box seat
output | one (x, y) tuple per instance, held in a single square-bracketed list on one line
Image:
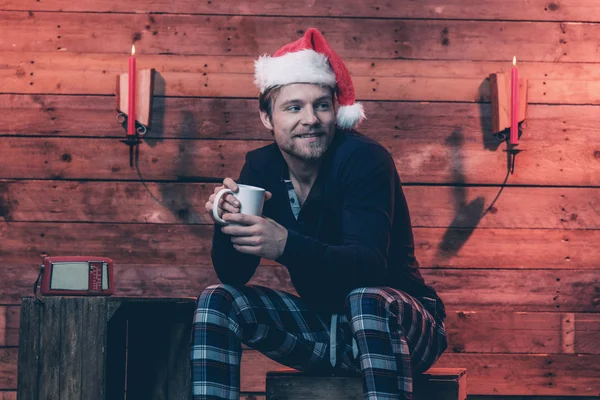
[(289, 384)]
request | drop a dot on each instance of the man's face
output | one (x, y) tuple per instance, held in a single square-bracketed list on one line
[(303, 120)]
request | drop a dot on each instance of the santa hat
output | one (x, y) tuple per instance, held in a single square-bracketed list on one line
[(311, 60)]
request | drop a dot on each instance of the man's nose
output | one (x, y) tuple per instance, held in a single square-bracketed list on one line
[(309, 116)]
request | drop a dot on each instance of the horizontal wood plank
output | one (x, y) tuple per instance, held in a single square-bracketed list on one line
[(505, 248), (57, 158), (516, 332), (471, 289), (428, 39), (217, 118), (169, 244), (23, 242), (540, 375), (515, 10), (456, 159), (553, 290), (232, 76), (174, 203)]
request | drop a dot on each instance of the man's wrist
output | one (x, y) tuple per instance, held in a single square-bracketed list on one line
[(282, 243)]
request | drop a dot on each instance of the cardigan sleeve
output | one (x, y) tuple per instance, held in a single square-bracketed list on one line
[(231, 266)]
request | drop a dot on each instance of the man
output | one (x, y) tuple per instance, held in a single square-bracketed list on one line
[(335, 216)]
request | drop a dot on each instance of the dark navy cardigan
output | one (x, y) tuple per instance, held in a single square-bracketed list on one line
[(353, 230)]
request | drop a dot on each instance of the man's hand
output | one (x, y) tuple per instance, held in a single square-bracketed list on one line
[(259, 236), (228, 202)]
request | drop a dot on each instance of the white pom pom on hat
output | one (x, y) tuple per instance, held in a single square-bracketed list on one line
[(310, 59)]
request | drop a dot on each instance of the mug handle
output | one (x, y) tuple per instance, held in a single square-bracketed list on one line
[(215, 209)]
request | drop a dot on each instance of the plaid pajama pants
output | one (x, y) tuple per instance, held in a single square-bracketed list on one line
[(397, 336)]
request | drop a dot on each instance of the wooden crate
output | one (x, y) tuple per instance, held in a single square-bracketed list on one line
[(98, 348), (437, 383)]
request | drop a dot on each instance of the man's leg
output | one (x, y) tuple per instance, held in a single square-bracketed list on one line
[(274, 322), (396, 337)]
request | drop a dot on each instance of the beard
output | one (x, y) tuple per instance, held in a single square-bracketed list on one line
[(305, 150)]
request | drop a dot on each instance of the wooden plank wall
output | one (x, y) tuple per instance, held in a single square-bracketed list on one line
[(522, 282)]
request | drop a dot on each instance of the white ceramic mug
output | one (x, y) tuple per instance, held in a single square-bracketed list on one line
[(251, 200)]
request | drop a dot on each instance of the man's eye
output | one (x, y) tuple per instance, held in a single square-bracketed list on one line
[(323, 106), (293, 108)]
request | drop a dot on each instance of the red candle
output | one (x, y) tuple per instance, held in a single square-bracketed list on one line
[(514, 104), (131, 95)]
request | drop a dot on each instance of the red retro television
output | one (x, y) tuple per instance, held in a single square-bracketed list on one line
[(77, 276)]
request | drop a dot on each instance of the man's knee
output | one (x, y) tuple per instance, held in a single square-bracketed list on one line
[(217, 296), (369, 301), (359, 297)]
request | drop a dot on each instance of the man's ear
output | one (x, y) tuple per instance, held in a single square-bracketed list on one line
[(266, 120)]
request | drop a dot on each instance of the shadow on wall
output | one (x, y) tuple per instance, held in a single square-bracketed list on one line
[(157, 124), (467, 216), (172, 196), (179, 203)]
